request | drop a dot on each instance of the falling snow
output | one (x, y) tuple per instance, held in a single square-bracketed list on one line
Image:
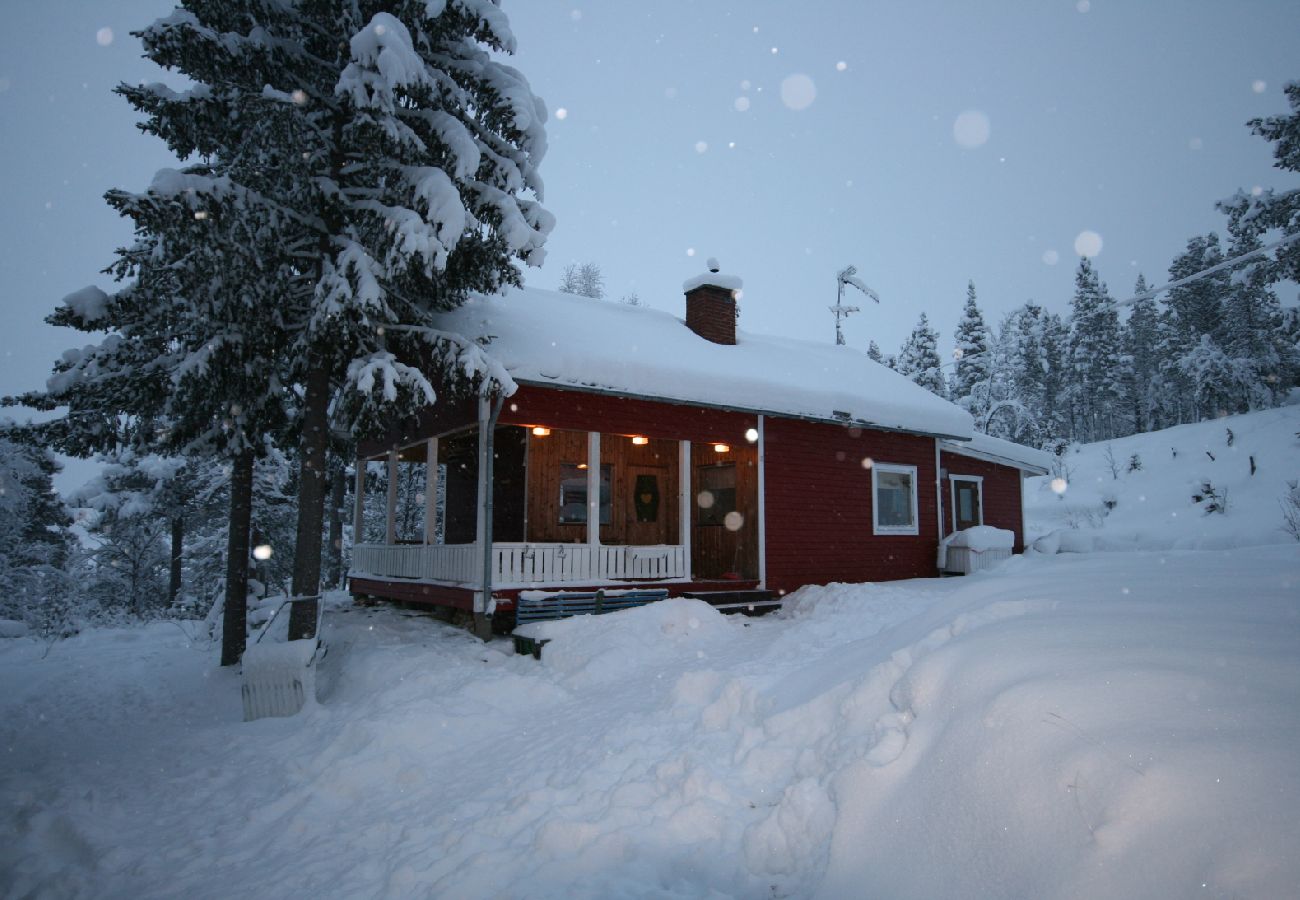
[(1087, 243), (971, 129), (798, 91)]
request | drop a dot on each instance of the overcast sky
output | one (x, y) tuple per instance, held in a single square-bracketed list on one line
[(927, 143)]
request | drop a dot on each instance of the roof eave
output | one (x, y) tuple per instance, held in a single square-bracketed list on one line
[(802, 417)]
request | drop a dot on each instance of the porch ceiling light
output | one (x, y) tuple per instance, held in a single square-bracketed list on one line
[(541, 430), (640, 440), (721, 448)]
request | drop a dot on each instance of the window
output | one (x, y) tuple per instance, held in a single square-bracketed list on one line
[(893, 489), (717, 495), (573, 494)]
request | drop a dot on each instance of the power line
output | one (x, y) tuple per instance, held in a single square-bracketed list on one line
[(1218, 267)]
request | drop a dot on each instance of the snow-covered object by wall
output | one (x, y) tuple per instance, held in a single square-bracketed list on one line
[(561, 340), (981, 538)]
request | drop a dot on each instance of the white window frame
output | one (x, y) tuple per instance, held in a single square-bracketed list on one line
[(877, 528), (952, 496)]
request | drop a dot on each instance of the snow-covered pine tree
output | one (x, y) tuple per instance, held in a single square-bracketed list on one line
[(1096, 376), (974, 364), (1197, 308), (873, 352), (1262, 357), (1274, 210), (1194, 311), (33, 538), (401, 152), (919, 359), (194, 363), (1142, 341)]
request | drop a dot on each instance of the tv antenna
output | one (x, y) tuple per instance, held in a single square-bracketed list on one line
[(848, 275)]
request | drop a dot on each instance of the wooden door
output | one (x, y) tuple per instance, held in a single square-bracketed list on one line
[(966, 504), (648, 505)]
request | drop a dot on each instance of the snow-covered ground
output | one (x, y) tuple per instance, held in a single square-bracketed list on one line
[(1079, 725), (1152, 507)]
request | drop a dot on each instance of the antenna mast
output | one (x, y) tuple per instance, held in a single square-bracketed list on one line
[(845, 276)]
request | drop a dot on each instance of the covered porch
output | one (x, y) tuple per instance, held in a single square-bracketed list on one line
[(568, 508)]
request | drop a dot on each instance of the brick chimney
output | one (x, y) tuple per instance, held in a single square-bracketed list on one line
[(711, 305)]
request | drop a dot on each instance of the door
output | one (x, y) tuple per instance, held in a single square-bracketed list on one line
[(966, 504), (648, 505)]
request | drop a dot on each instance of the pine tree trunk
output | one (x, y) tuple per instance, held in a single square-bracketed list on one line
[(311, 498), (337, 495), (178, 546), (235, 620)]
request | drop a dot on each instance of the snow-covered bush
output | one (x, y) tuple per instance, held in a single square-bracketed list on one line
[(1215, 499)]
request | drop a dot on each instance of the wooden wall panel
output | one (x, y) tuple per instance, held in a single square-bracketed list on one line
[(547, 454), (577, 411), (1002, 503), (819, 524)]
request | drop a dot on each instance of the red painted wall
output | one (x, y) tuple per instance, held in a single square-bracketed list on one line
[(819, 525), (1001, 500), (624, 415)]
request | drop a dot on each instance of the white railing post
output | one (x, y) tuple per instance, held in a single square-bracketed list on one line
[(593, 489)]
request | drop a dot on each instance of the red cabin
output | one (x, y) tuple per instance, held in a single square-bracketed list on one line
[(619, 446)]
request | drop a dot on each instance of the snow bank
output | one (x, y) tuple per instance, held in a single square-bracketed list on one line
[(1064, 727)]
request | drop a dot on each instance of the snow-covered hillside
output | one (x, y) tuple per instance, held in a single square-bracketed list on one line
[(1108, 724), (1120, 507)]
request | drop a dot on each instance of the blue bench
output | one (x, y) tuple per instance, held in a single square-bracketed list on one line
[(565, 605)]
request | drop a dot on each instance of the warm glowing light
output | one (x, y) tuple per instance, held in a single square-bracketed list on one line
[(262, 552), (541, 430), (721, 448), (582, 465), (640, 440), (751, 435)]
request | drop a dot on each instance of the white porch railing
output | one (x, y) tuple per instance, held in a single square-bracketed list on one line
[(520, 564)]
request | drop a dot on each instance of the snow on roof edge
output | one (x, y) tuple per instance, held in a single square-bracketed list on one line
[(997, 450)]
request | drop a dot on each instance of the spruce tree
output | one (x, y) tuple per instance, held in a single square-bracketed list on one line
[(919, 358), (395, 155), (1095, 366), (1197, 307), (1142, 364), (1261, 356), (974, 365), (1274, 210)]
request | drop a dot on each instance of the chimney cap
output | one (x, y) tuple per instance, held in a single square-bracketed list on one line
[(713, 278)]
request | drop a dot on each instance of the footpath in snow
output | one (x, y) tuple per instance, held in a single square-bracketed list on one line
[(1078, 725)]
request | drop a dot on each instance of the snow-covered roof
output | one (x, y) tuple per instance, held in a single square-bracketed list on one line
[(991, 449), (564, 340)]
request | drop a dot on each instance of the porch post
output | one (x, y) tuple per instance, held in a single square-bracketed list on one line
[(684, 502), (481, 528), (431, 492), (390, 529), (359, 508), (762, 507), (593, 488)]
